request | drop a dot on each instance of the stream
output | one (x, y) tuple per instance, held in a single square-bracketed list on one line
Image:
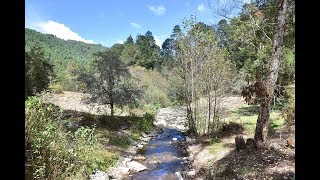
[(164, 156)]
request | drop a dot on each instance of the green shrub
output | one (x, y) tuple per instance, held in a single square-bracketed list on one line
[(56, 88), (288, 111), (144, 124), (52, 153)]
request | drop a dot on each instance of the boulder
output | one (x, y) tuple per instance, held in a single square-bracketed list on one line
[(178, 174), (138, 157), (135, 166), (99, 175), (191, 173), (72, 126)]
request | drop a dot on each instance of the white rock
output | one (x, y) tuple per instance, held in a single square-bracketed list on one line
[(191, 173), (140, 146), (178, 174), (127, 159), (174, 139), (99, 175), (135, 166), (144, 134)]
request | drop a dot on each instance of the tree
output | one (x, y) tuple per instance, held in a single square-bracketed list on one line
[(129, 54), (38, 71), (109, 81), (149, 53), (201, 74), (117, 48), (259, 54), (267, 87), (222, 33), (128, 41), (167, 49)]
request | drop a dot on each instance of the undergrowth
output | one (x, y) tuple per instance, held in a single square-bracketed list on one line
[(53, 153)]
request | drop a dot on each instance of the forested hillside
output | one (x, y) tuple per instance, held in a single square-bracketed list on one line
[(58, 49)]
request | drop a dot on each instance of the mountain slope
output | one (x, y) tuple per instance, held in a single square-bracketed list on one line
[(59, 49)]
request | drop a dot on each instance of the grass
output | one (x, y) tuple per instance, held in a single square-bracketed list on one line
[(135, 136), (216, 146), (248, 115), (122, 142)]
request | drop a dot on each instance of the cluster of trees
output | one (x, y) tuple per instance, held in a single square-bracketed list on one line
[(200, 62), (260, 41), (38, 71), (65, 56), (201, 74)]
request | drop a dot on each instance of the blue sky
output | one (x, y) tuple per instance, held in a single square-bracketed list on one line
[(108, 22)]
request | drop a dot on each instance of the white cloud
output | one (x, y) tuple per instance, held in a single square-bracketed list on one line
[(160, 10), (158, 41), (120, 41), (201, 7), (61, 31), (135, 25)]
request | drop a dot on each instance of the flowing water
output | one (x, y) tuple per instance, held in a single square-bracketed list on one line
[(164, 156)]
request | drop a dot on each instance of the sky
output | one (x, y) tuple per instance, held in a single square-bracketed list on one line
[(108, 22)]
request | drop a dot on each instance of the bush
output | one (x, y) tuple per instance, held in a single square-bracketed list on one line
[(144, 124), (52, 153), (56, 88), (288, 111)]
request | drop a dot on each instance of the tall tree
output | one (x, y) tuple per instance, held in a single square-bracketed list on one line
[(117, 48), (109, 81), (129, 54), (222, 33), (200, 71), (168, 52), (128, 41), (38, 70), (267, 87), (149, 52)]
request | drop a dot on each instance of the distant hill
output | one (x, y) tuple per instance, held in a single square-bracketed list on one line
[(59, 49)]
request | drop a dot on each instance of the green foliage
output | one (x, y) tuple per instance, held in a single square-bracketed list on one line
[(287, 69), (56, 88), (144, 124), (66, 56), (109, 81), (59, 49), (117, 49), (52, 153), (38, 71), (148, 53), (119, 141), (288, 111), (129, 54), (154, 86)]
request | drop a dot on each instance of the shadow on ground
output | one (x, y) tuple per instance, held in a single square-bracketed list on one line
[(248, 164)]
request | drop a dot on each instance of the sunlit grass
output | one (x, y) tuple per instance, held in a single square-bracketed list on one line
[(248, 115)]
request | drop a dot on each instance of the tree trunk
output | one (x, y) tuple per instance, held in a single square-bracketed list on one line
[(262, 123), (209, 126), (269, 86)]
